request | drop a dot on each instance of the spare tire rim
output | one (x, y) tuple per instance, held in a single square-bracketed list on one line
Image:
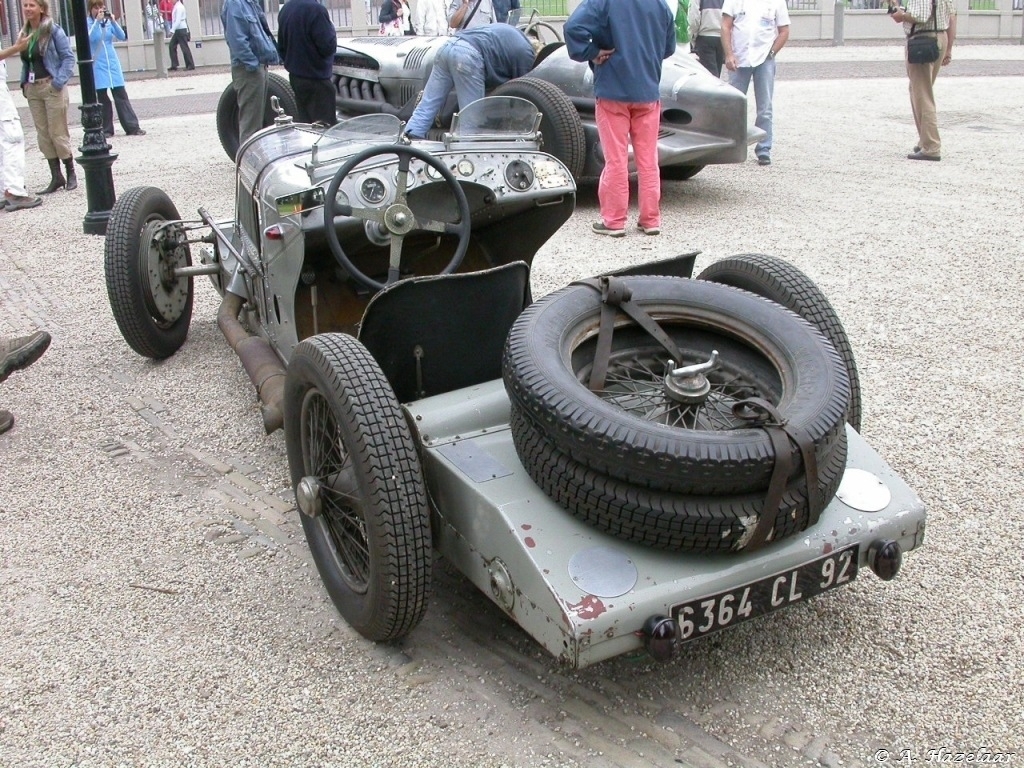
[(638, 383)]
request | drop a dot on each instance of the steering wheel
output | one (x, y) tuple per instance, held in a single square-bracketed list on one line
[(395, 218)]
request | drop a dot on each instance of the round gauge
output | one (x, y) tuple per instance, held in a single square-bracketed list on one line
[(519, 175), (372, 190), (465, 167), (432, 173)]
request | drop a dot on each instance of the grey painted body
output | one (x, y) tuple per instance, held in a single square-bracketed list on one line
[(494, 519)]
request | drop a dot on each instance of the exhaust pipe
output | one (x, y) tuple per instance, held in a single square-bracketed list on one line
[(258, 358)]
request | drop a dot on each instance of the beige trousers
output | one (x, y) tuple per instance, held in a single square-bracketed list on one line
[(922, 100), (49, 110)]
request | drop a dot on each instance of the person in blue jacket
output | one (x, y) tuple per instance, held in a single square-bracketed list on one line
[(47, 63), (106, 68), (253, 49), (625, 44), (307, 40), (472, 62)]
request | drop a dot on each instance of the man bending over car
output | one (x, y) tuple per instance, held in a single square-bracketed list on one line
[(472, 61)]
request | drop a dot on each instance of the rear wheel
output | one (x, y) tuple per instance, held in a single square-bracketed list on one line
[(358, 485), (227, 111), (144, 244), (560, 124)]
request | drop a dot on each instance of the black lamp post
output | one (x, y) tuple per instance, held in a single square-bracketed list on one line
[(96, 158)]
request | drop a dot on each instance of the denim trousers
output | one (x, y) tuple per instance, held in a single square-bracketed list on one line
[(763, 76), (619, 124), (457, 64)]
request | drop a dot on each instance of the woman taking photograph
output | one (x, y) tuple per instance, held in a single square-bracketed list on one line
[(46, 66), (106, 68)]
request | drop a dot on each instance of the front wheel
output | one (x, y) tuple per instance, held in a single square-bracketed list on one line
[(358, 485), (144, 245)]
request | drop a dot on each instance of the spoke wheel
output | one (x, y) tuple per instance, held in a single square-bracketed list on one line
[(636, 384), (358, 486), (342, 520), (641, 430)]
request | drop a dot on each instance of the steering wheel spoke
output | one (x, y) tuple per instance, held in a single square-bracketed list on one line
[(366, 214), (395, 219)]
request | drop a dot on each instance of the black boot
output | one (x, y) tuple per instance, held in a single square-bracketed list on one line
[(69, 167), (56, 178)]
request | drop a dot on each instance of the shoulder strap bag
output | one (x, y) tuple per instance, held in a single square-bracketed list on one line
[(922, 47)]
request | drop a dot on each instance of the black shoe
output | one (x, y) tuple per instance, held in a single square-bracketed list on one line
[(6, 421), (172, 69), (764, 160), (137, 132), (19, 353), (189, 69), (923, 156)]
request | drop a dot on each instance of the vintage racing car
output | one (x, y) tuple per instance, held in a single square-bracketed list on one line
[(632, 462), (703, 119)]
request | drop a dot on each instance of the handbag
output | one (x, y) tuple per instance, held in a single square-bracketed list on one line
[(923, 48)]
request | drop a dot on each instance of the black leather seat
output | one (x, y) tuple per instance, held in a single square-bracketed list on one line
[(435, 334)]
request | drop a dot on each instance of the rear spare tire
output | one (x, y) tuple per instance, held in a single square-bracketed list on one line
[(784, 284), (633, 430)]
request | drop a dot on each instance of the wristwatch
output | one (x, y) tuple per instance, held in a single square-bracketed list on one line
[(771, 53)]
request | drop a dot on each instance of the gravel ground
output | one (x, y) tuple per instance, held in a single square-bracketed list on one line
[(146, 622)]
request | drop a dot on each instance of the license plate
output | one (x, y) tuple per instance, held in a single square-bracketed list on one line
[(705, 615)]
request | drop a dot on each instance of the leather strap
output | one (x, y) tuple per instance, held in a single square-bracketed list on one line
[(765, 415), (615, 295)]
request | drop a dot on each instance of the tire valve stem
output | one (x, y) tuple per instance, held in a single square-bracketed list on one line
[(689, 384)]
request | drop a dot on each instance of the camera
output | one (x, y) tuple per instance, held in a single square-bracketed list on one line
[(106, 13), (893, 7)]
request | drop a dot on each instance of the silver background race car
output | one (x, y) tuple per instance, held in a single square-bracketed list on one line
[(703, 119)]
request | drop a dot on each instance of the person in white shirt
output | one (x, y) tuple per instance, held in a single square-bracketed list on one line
[(429, 18), (180, 37), (753, 32), (12, 148), (469, 14)]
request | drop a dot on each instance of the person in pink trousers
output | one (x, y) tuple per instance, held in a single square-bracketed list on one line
[(627, 87)]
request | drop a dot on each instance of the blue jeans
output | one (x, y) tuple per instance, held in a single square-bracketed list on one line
[(764, 86), (456, 64)]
